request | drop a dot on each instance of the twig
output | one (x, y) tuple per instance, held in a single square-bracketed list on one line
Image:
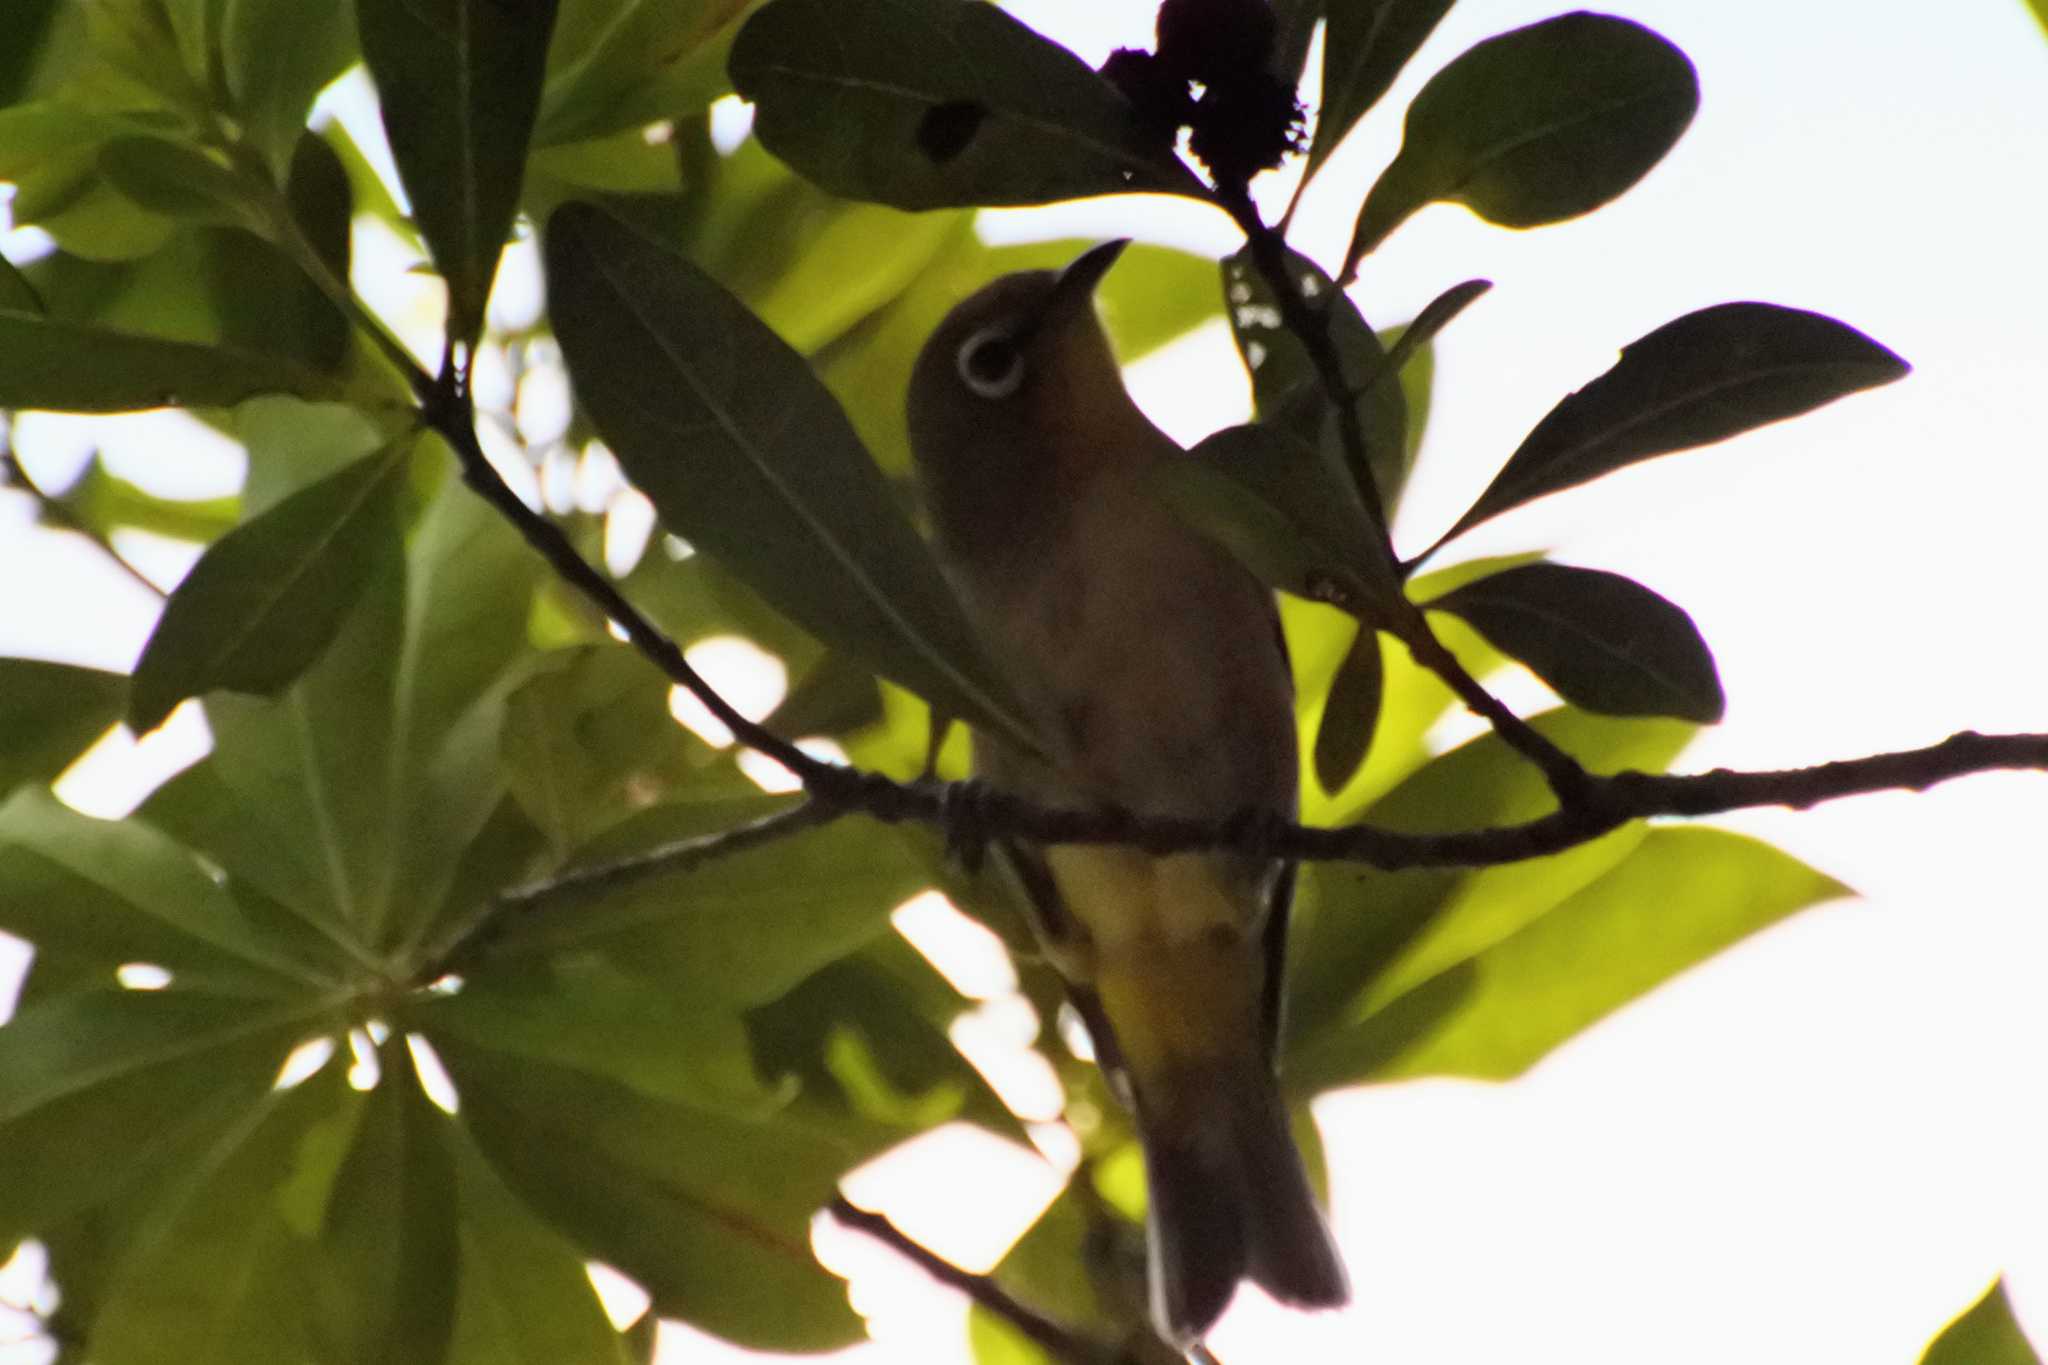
[(1056, 1339), (57, 514)]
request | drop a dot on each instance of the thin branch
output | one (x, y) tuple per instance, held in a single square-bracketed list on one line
[(1055, 1339), (1310, 326)]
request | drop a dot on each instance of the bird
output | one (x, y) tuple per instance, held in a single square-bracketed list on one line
[(1152, 670)]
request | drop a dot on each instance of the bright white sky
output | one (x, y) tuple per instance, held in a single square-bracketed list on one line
[(1821, 1145)]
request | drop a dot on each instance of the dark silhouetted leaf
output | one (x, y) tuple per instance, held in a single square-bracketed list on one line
[(748, 457), (1535, 126), (710, 1214), (1286, 390), (45, 363), (49, 713), (933, 103), (459, 84), (1988, 1334), (1602, 641), (17, 295), (268, 597), (1287, 512), (1695, 380), (1365, 45), (1345, 732)]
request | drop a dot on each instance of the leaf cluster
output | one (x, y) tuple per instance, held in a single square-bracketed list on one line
[(414, 725)]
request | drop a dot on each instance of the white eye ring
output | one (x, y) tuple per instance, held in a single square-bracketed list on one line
[(995, 344)]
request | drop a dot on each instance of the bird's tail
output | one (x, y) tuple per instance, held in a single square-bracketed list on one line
[(1227, 1195)]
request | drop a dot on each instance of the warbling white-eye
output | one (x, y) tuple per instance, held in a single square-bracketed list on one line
[(1151, 665)]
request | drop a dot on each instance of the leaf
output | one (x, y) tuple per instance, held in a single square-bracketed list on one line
[(1535, 126), (524, 1298), (590, 740), (115, 892), (1287, 391), (746, 456), (277, 55), (98, 1088), (72, 367), (459, 84), (1286, 513), (388, 1253), (671, 1040), (744, 927), (1352, 710), (1603, 642), (1365, 45), (102, 500), (1988, 1334), (1696, 380), (181, 182), (265, 599), (49, 713), (645, 60), (934, 104), (1362, 921), (1683, 895), (709, 1213), (217, 1272), (17, 295)]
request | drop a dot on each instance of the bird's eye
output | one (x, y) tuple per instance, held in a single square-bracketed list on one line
[(991, 363)]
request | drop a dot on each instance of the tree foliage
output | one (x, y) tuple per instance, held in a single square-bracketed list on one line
[(415, 723)]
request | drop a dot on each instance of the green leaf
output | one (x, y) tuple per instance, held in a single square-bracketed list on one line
[(102, 500), (1361, 921), (744, 927), (181, 182), (590, 739), (746, 456), (388, 1250), (709, 1213), (217, 1272), (1286, 390), (933, 104), (1287, 513), (17, 295), (97, 1089), (1603, 642), (525, 1298), (1988, 1334), (265, 599), (639, 62), (48, 363), (1365, 45), (115, 892), (1683, 895), (277, 55), (459, 83), (673, 1040), (1695, 380), (1535, 126), (49, 714), (1344, 733)]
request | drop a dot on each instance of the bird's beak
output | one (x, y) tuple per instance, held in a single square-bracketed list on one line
[(1074, 291)]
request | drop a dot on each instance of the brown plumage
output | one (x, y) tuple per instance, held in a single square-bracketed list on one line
[(1151, 665)]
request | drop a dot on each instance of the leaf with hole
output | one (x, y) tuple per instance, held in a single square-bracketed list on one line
[(1535, 126), (746, 455), (933, 103), (1697, 379), (1602, 641)]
